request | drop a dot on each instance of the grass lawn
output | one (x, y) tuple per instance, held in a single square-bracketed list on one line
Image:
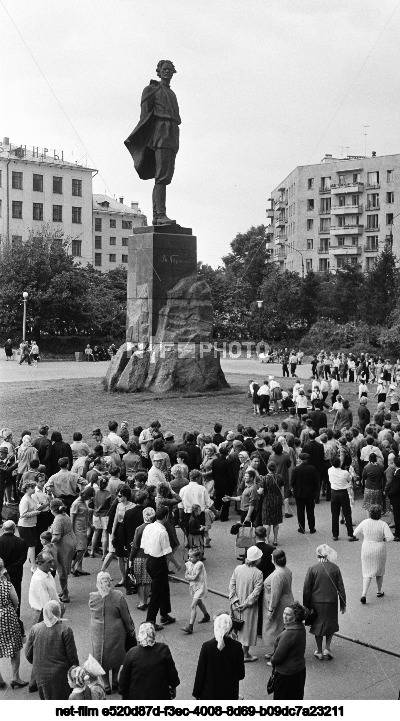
[(71, 405)]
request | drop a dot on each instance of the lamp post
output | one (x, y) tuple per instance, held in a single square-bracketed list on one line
[(259, 306), (25, 297)]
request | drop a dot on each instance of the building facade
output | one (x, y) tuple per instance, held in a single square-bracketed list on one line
[(38, 188), (335, 213), (112, 225)]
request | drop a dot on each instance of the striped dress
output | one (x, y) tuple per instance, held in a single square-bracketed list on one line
[(373, 550)]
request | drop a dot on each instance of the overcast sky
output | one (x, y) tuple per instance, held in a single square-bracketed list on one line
[(262, 85)]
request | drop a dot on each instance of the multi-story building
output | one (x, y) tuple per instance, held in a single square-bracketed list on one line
[(338, 212), (39, 188), (112, 225)]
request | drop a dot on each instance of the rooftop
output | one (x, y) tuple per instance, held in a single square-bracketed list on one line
[(112, 205), (38, 155)]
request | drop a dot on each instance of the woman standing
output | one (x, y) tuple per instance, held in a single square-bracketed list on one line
[(79, 514), (277, 595), (25, 454), (373, 479), (288, 658), (220, 666), (149, 671), (64, 539), (10, 631), (376, 534), (248, 499), (138, 559), (270, 490), (28, 513), (323, 585), (244, 589), (117, 538), (110, 624)]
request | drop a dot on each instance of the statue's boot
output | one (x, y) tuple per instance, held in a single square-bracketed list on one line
[(159, 211)]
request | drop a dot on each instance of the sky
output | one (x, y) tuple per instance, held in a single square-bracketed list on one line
[(262, 86)]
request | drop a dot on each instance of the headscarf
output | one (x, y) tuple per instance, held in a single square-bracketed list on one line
[(26, 441), (243, 460), (148, 514), (222, 626), (92, 667), (102, 576), (326, 553), (51, 613), (146, 635), (282, 440), (76, 677), (5, 433)]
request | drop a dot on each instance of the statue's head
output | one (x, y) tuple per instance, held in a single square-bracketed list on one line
[(167, 67)]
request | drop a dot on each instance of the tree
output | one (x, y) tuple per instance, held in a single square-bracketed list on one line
[(381, 289)]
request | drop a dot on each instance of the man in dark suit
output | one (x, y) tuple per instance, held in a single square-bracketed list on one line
[(222, 473), (13, 551), (193, 452), (316, 454), (318, 417), (304, 485)]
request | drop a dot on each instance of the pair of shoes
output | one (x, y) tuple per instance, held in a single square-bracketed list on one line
[(342, 520), (19, 684), (33, 687), (250, 659), (65, 599), (380, 594), (142, 606), (319, 656), (158, 627), (328, 655), (335, 538), (352, 538), (166, 620), (300, 530), (206, 618), (74, 573), (313, 530), (288, 515), (187, 629), (363, 599)]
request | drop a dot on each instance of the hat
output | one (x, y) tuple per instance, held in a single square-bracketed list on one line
[(93, 667), (254, 554), (158, 457), (260, 443), (230, 436), (304, 456), (96, 432), (168, 435)]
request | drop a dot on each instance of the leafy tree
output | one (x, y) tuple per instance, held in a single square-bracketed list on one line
[(381, 289)]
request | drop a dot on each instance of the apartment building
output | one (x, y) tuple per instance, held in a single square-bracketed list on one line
[(338, 212), (39, 187), (112, 225)]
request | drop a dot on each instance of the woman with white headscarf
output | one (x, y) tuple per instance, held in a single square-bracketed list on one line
[(52, 651), (110, 625), (323, 587), (221, 664), (25, 454), (86, 681), (149, 671)]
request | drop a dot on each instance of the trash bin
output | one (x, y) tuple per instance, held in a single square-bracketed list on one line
[(79, 356)]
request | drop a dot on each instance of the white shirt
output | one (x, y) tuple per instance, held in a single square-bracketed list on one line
[(367, 450), (155, 541), (194, 494), (155, 477), (263, 391), (42, 589), (339, 479), (334, 385), (324, 386), (117, 440)]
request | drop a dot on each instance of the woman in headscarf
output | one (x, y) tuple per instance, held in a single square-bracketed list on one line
[(28, 513), (376, 535), (244, 589), (51, 650), (110, 624), (323, 587), (6, 441), (221, 665), (10, 631), (277, 595), (25, 454), (86, 681), (64, 539), (149, 671), (138, 560)]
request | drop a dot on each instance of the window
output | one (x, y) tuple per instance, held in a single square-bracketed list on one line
[(310, 204), (344, 261), (97, 224), (389, 176), (16, 209), (325, 206), (97, 259), (308, 264), (310, 183), (326, 183), (112, 258), (124, 242), (57, 184), (372, 200), (124, 258), (324, 225), (389, 218), (37, 182), (341, 240), (76, 215), (126, 224), (324, 264), (373, 179), (17, 180), (310, 224), (356, 177), (372, 221), (57, 213), (76, 248), (354, 239), (113, 241), (37, 211), (76, 187), (372, 243), (16, 239), (390, 197), (310, 243), (324, 245), (97, 242), (113, 223)]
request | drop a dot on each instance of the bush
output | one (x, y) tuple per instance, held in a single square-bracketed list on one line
[(348, 337)]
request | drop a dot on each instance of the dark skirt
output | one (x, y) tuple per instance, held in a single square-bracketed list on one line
[(326, 622), (289, 687), (394, 407), (119, 541), (381, 397), (29, 535)]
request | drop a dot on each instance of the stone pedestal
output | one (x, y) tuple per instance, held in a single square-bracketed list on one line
[(169, 318)]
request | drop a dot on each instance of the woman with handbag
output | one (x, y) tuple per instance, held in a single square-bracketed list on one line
[(244, 589), (248, 499), (289, 666)]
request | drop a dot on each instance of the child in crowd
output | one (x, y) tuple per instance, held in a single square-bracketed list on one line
[(197, 577), (196, 530)]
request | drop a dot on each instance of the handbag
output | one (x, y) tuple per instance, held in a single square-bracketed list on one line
[(237, 621), (311, 615), (245, 537), (271, 682)]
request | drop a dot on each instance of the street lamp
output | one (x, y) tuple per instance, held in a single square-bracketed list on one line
[(259, 306), (25, 297)]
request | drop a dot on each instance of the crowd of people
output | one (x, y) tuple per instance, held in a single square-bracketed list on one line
[(28, 352), (123, 495)]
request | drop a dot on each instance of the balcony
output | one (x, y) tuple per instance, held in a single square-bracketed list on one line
[(339, 189), (345, 250), (372, 186), (279, 204), (280, 254), (327, 211), (269, 232), (270, 212), (323, 250), (371, 208), (344, 209), (372, 230), (280, 221), (325, 189), (371, 248), (280, 238), (346, 229), (323, 231)]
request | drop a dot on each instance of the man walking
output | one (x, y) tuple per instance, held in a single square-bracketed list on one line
[(13, 551), (316, 458), (340, 481), (304, 485)]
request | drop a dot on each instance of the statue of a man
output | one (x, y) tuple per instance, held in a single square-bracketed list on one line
[(154, 142)]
